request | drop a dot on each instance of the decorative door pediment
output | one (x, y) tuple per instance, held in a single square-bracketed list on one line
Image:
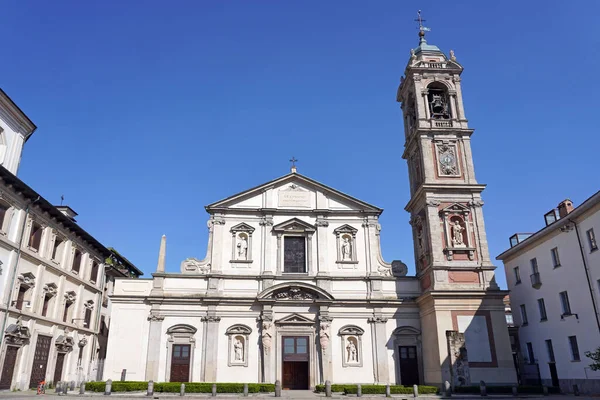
[(295, 319), (294, 225)]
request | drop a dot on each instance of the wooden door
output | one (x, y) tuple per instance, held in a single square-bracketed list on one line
[(409, 366), (180, 363), (554, 374), (40, 361), (295, 362), (8, 368), (60, 360)]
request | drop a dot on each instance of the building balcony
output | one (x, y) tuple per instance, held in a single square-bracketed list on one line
[(536, 281)]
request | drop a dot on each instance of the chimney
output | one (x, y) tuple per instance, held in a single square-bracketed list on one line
[(68, 211), (565, 207)]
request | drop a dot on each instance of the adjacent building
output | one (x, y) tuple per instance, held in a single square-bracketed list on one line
[(53, 281), (554, 281), (293, 286)]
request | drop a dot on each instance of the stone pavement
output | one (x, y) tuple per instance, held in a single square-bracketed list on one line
[(285, 394)]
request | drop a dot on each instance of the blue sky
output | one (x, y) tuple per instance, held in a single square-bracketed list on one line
[(148, 111)]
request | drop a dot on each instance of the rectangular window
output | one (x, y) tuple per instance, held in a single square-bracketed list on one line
[(550, 350), (517, 275), (57, 249), (76, 261), (542, 308), (592, 240), (46, 305), (88, 318), (574, 348), (555, 257), (21, 297), (35, 236), (530, 353), (509, 319), (94, 273), (564, 302), (3, 211), (523, 315), (68, 305), (294, 254), (534, 266)]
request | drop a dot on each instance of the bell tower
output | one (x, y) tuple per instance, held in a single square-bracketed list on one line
[(453, 265)]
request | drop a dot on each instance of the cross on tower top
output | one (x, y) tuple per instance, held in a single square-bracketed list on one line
[(420, 20), (293, 161)]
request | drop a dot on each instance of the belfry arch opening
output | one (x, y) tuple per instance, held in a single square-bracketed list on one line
[(438, 101)]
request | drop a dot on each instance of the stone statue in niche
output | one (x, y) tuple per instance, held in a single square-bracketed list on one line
[(457, 236), (238, 349), (346, 249), (242, 247), (352, 351), (324, 335)]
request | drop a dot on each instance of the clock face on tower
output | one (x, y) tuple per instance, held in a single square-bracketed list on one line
[(448, 159)]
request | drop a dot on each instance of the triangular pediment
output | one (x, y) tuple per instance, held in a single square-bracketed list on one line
[(346, 229), (243, 227), (455, 207), (294, 225), (294, 192), (295, 319)]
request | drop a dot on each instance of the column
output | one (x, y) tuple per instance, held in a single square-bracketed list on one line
[(153, 351), (267, 333), (381, 370), (210, 347), (325, 342)]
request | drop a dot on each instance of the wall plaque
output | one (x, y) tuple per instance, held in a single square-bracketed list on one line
[(294, 198)]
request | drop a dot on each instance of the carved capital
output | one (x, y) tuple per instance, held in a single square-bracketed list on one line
[(266, 221), (377, 320), (322, 222), (210, 318), (432, 203), (153, 317)]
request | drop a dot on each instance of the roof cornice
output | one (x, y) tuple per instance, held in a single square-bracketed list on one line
[(19, 117)]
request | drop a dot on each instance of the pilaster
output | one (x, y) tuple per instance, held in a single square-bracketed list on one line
[(153, 351), (210, 346), (380, 356), (266, 344), (325, 342), (322, 239)]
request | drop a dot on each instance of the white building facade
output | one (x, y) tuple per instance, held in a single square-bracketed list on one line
[(294, 288), (554, 281), (52, 277)]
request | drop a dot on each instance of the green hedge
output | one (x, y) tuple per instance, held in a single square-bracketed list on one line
[(506, 389), (380, 389), (174, 387), (334, 388)]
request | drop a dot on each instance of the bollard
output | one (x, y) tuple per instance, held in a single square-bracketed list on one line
[(72, 386), (245, 390), (58, 387), (108, 387), (278, 388), (448, 389), (327, 388), (482, 388), (515, 392), (359, 390), (150, 391), (182, 390), (214, 389), (415, 391), (123, 375), (82, 388), (576, 390), (545, 390), (388, 393)]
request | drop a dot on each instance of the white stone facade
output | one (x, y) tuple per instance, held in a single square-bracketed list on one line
[(576, 272)]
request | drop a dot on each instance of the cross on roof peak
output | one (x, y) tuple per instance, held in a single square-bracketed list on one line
[(422, 28), (293, 160)]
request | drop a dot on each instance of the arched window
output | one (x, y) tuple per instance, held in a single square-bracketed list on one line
[(438, 101)]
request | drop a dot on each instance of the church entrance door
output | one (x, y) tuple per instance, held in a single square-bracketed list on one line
[(295, 362), (180, 363), (409, 367), (9, 367)]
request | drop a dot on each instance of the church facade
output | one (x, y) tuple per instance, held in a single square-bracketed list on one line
[(294, 287)]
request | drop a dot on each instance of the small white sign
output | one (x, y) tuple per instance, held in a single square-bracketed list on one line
[(294, 198)]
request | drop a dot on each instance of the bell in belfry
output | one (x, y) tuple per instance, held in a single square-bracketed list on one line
[(437, 104)]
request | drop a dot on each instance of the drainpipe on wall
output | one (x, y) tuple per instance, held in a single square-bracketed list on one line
[(15, 269), (587, 273)]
